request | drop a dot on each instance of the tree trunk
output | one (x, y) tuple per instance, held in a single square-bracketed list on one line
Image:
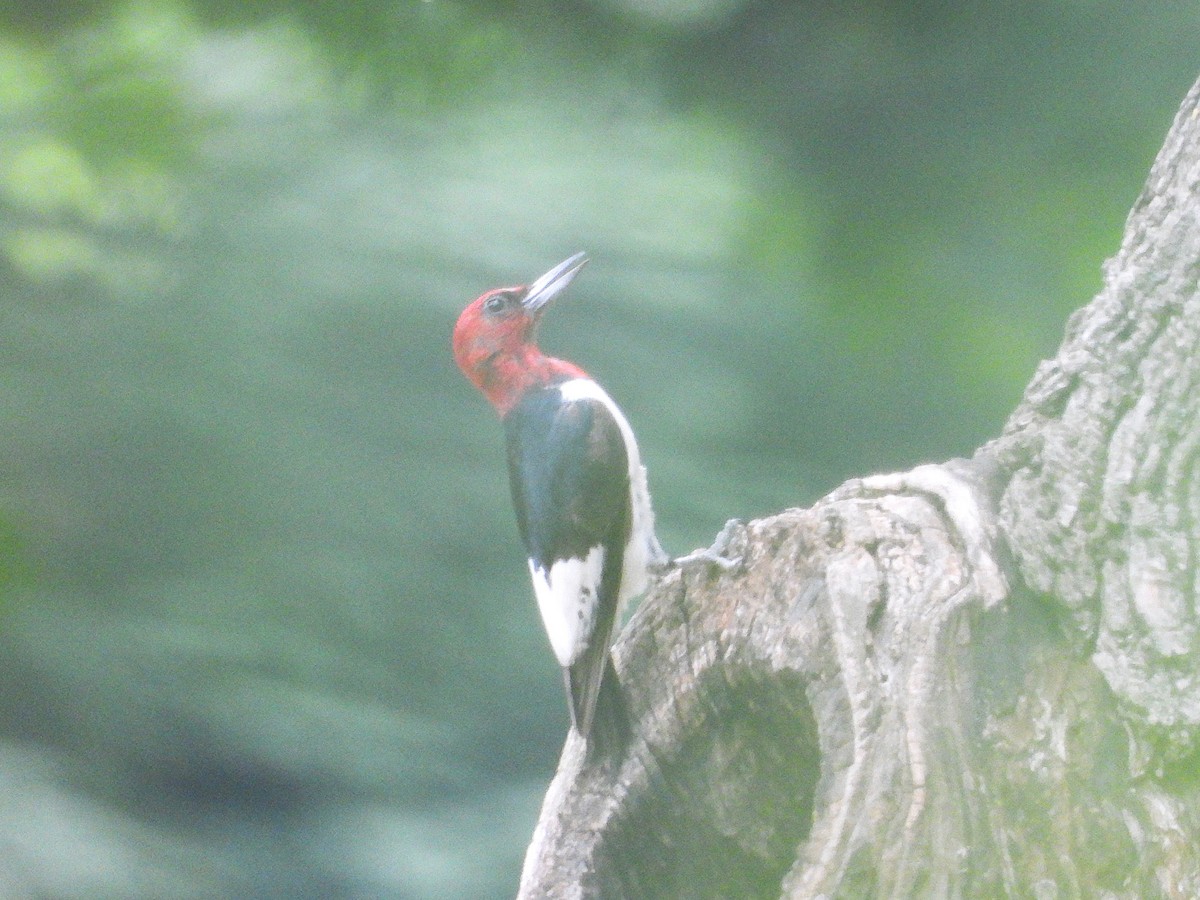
[(976, 679)]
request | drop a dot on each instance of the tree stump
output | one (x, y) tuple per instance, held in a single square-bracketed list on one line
[(975, 679)]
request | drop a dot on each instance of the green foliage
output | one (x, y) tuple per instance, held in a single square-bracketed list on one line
[(97, 128), (17, 569)]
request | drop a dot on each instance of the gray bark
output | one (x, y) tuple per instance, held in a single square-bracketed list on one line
[(970, 680)]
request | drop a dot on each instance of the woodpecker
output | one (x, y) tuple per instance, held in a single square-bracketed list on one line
[(578, 484)]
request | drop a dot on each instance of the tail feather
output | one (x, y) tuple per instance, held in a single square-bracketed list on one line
[(598, 710)]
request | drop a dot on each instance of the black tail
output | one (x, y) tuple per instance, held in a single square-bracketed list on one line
[(611, 728), (607, 730)]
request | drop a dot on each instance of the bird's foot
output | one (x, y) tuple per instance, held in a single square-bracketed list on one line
[(715, 554)]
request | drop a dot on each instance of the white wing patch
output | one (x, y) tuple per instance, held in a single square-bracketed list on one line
[(576, 389), (566, 597)]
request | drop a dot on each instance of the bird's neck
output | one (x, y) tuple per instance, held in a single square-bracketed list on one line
[(506, 377)]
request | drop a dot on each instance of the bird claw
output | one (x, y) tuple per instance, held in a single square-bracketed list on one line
[(715, 554)]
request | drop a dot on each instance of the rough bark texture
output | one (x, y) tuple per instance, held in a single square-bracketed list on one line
[(969, 680)]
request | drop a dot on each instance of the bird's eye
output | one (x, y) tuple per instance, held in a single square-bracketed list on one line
[(495, 303)]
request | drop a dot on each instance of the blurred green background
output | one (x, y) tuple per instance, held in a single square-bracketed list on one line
[(265, 628)]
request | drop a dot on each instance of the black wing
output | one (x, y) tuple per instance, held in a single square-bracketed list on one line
[(569, 473)]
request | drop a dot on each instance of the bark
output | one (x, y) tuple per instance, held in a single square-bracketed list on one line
[(975, 679)]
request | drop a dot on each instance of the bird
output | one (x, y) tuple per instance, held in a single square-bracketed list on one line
[(578, 486), (579, 489)]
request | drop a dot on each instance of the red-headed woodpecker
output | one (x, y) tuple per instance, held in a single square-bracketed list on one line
[(578, 485)]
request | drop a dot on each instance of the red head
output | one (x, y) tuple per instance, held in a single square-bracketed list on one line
[(495, 339)]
